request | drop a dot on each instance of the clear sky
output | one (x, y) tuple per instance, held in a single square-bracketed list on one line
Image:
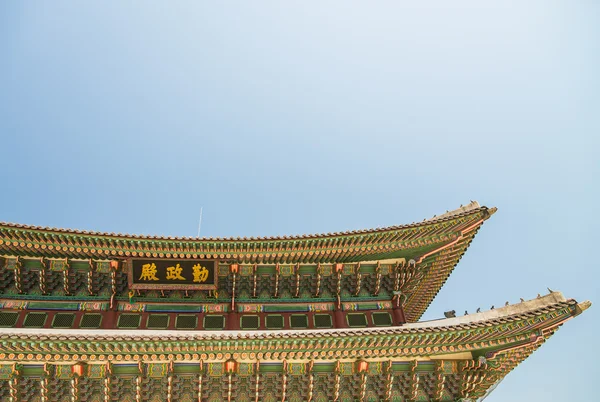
[(299, 117)]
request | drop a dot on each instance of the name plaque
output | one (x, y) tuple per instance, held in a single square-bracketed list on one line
[(171, 274)]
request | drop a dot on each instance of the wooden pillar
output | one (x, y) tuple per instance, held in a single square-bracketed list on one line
[(339, 319), (109, 320), (233, 321), (398, 310), (397, 304)]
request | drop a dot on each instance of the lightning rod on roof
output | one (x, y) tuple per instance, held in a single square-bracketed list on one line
[(199, 222)]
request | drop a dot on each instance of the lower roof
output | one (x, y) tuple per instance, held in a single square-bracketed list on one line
[(501, 315), (469, 354)]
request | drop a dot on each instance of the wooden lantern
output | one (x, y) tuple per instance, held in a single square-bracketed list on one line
[(78, 369), (362, 366), (230, 366)]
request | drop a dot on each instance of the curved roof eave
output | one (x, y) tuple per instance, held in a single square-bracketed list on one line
[(473, 206), (502, 315)]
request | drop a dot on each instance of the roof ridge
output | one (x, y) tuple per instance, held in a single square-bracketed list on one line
[(473, 206), (525, 306)]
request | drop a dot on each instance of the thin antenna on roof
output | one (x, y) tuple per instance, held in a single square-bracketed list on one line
[(199, 222)]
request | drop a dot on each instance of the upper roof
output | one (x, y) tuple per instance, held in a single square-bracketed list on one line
[(427, 251), (379, 243)]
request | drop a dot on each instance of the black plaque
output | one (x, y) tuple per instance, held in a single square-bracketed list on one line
[(169, 274)]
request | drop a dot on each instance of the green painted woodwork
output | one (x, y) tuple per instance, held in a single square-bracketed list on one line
[(213, 322), (157, 321), (172, 308), (324, 367), (126, 369), (33, 370), (44, 305), (186, 368), (265, 269), (271, 368)]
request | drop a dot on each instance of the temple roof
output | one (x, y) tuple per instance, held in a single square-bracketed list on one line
[(473, 205), (351, 245), (462, 357), (503, 315), (425, 252)]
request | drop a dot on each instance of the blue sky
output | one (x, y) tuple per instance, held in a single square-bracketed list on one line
[(296, 117)]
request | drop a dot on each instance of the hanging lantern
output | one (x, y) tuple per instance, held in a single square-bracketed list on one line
[(78, 369), (230, 366), (234, 268), (362, 366), (114, 264)]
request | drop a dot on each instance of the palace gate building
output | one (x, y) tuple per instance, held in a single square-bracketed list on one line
[(87, 316)]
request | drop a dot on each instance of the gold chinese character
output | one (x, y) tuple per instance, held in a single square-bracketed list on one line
[(200, 273), (175, 273), (148, 272)]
